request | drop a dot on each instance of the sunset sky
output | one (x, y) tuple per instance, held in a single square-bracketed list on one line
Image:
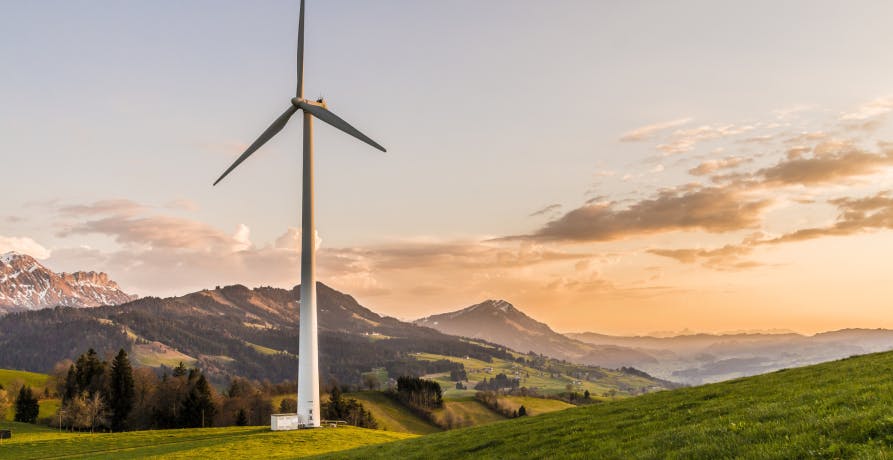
[(617, 167)]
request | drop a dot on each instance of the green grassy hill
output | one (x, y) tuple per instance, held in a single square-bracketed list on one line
[(616, 383), (841, 409), (33, 442), (9, 377), (392, 416)]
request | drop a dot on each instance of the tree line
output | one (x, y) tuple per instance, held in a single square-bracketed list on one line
[(111, 395)]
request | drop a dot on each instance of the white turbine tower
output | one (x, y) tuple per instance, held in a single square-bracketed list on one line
[(308, 367)]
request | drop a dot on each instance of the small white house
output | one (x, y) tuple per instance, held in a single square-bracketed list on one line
[(283, 422)]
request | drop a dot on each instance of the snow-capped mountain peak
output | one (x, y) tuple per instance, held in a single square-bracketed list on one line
[(26, 284)]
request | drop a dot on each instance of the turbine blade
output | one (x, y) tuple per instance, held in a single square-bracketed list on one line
[(300, 91), (266, 136), (327, 116)]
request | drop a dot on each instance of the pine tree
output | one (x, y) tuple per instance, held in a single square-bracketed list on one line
[(241, 418), (198, 407), (121, 392), (522, 411), (288, 406), (89, 372), (180, 370), (26, 406)]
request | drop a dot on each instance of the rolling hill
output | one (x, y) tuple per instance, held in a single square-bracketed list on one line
[(229, 331), (840, 409)]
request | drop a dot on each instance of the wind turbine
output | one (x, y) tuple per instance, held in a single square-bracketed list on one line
[(308, 362)]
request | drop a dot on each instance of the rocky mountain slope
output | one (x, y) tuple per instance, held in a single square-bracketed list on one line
[(500, 322), (26, 284)]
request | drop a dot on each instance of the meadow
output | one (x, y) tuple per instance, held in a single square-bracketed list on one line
[(605, 387), (841, 409), (35, 442), (392, 416), (12, 379)]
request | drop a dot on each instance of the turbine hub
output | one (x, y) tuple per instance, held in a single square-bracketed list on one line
[(298, 102)]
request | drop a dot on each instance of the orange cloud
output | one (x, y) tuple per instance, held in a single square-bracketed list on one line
[(856, 215), (650, 131), (830, 162), (711, 166), (712, 209)]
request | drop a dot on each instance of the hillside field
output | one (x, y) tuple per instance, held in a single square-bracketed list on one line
[(33, 442), (611, 383), (840, 409), (9, 377), (392, 416)]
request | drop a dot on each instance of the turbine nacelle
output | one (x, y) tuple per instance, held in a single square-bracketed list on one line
[(300, 102)]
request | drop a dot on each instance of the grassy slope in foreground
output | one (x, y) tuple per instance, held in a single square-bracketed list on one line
[(841, 409), (32, 442)]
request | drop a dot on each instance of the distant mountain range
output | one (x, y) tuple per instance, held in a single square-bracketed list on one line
[(252, 333), (500, 322), (690, 359), (704, 358), (25, 284), (228, 331)]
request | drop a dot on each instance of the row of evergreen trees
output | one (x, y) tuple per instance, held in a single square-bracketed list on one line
[(100, 395), (418, 392), (97, 394), (500, 382)]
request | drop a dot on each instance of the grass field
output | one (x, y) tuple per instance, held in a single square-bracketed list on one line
[(154, 354), (33, 442), (392, 416), (9, 377), (543, 382), (841, 409), (466, 412), (48, 408), (535, 406)]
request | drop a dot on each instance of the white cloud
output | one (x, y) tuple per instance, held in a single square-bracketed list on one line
[(649, 131), (242, 238), (872, 109), (23, 245), (684, 140), (291, 240)]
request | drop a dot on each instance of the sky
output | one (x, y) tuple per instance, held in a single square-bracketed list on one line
[(617, 167)]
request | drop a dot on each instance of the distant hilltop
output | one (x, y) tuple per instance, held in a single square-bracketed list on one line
[(26, 284)]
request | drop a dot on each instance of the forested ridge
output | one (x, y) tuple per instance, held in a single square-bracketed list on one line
[(235, 331)]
